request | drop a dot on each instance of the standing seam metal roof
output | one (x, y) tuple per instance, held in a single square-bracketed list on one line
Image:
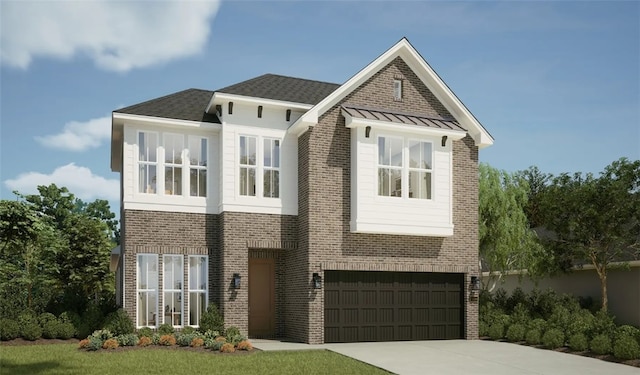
[(402, 118)]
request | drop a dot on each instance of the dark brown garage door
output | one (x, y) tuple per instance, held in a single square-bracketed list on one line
[(388, 306)]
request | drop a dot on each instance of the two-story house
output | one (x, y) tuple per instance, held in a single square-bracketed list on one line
[(314, 211)]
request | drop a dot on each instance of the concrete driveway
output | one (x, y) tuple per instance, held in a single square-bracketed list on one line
[(462, 357)]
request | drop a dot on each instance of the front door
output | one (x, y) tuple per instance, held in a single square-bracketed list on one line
[(262, 301)]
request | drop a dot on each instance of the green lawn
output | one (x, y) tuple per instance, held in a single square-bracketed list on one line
[(67, 359)]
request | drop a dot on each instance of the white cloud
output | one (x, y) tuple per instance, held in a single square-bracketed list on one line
[(117, 36), (79, 180), (79, 136)]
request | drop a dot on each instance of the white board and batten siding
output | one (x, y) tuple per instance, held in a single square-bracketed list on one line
[(371, 213)]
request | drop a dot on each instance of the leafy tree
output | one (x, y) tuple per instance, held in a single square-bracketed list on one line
[(506, 241), (594, 220)]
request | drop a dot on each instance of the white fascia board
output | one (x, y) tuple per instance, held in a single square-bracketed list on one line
[(219, 97), (413, 230), (351, 122), (150, 120)]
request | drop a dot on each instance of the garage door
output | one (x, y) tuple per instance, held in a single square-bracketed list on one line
[(389, 306)]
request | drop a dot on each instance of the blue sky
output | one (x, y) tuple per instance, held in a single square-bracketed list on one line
[(556, 83)]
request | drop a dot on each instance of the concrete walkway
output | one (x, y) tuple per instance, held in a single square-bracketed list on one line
[(462, 357)]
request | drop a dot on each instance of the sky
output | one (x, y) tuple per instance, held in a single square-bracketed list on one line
[(556, 83)]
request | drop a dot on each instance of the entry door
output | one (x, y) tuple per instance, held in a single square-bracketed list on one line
[(262, 297)]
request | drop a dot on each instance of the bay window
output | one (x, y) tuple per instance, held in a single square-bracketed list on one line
[(172, 289), (198, 265), (147, 290), (405, 168)]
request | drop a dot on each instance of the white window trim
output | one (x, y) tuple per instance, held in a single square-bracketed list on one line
[(405, 168), (206, 284), (259, 167), (168, 290), (197, 166), (271, 168), (141, 162), (138, 290), (165, 164)]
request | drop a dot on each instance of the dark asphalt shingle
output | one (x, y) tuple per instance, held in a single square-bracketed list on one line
[(184, 105)]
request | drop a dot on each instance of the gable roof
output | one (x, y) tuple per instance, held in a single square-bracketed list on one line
[(425, 73), (282, 88), (183, 105)]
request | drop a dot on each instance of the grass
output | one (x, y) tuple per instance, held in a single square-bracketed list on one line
[(67, 359)]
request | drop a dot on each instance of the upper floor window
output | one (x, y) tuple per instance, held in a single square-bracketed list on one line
[(404, 165), (397, 89), (248, 165), (147, 162), (198, 166), (271, 173), (173, 168)]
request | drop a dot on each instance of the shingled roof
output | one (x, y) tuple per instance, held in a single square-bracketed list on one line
[(276, 87), (184, 105)]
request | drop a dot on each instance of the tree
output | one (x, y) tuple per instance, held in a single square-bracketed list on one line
[(506, 241), (594, 220)]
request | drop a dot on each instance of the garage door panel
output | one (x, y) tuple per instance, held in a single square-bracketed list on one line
[(387, 306)]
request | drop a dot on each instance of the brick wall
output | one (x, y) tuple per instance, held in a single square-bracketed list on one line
[(324, 197)]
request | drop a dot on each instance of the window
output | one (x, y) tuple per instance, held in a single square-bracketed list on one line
[(420, 169), (271, 173), (197, 288), (147, 289), (172, 289), (397, 90), (198, 166), (248, 165), (390, 161), (147, 162), (173, 146), (401, 160)]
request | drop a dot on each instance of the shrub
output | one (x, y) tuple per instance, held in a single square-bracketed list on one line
[(603, 324), (83, 344), (581, 322), (542, 303), (95, 343), (579, 342), (500, 298), (185, 339), (516, 332), (9, 329), (626, 347), (51, 328), (197, 342), (102, 334), (110, 344), (559, 319), (221, 339), (227, 348), (537, 324), (245, 345), (155, 338), (129, 339), (232, 331), (533, 337), (601, 344), (553, 338), (91, 320), (119, 323), (146, 331), (483, 329), (66, 330), (236, 339), (188, 329), (45, 318), (72, 318), (216, 345), (167, 340), (627, 330), (209, 334), (520, 314), (166, 329), (27, 317), (31, 331), (144, 341), (518, 297), (496, 331), (211, 320)]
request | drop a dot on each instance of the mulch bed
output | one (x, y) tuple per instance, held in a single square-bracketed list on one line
[(564, 349)]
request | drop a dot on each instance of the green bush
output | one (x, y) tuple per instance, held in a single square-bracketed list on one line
[(45, 318), (627, 330), (9, 329), (184, 339), (518, 297), (601, 344), (209, 334), (496, 331), (127, 339), (31, 331), (516, 332), (581, 322), (145, 331), (102, 334), (533, 337), (553, 338), (72, 318), (216, 345), (603, 324), (578, 342), (483, 329), (501, 298), (559, 319), (66, 330), (520, 314), (166, 329), (119, 323), (188, 329), (50, 328), (543, 302), (155, 338), (626, 347), (90, 321), (95, 343), (27, 317), (537, 324), (211, 320)]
